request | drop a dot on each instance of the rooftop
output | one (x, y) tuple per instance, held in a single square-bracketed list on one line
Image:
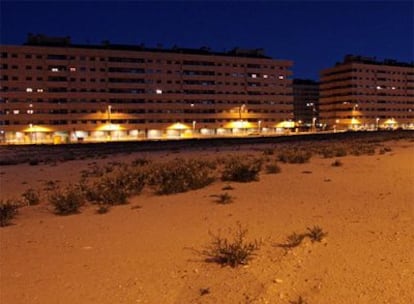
[(373, 60), (43, 40)]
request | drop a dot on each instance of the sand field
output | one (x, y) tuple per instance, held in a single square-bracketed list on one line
[(148, 251)]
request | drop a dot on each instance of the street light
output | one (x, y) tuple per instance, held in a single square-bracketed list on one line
[(241, 108), (260, 126), (377, 123), (109, 113)]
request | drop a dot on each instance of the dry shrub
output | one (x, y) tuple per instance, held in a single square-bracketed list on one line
[(115, 186), (337, 163), (272, 168), (8, 210), (180, 175), (239, 169), (224, 198), (232, 252), (67, 201), (294, 156), (31, 197)]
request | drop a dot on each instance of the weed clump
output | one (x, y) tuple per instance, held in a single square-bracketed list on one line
[(316, 234), (224, 198), (293, 240), (242, 170), (115, 186), (8, 210), (294, 156), (329, 152), (337, 163), (67, 201), (272, 168), (231, 252), (180, 176), (31, 197)]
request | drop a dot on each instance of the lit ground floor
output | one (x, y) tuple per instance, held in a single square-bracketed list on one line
[(39, 135)]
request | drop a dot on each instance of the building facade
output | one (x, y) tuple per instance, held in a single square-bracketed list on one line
[(364, 93), (306, 103), (54, 91)]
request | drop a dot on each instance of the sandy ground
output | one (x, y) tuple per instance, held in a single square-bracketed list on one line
[(150, 254)]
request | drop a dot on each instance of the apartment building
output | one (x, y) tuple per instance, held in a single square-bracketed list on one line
[(56, 91), (364, 93), (306, 103)]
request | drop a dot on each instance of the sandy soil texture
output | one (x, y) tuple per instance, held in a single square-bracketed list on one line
[(148, 251)]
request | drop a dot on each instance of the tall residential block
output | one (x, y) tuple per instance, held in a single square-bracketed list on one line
[(56, 91), (364, 93), (306, 102)]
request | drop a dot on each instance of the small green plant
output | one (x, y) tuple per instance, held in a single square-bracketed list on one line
[(8, 210), (67, 201), (316, 234), (337, 163), (242, 170), (224, 198), (231, 252), (272, 168), (31, 197)]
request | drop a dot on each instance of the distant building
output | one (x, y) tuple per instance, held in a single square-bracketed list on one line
[(363, 93), (56, 91), (306, 102)]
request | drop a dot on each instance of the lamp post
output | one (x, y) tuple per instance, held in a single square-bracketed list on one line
[(241, 109), (377, 123), (260, 126), (109, 113), (194, 126)]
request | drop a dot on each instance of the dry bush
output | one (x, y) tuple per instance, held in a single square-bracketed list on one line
[(272, 168), (294, 156), (224, 198), (67, 201), (333, 151), (115, 186), (180, 175), (293, 240), (337, 163), (239, 169), (316, 234), (31, 197), (232, 252), (8, 210)]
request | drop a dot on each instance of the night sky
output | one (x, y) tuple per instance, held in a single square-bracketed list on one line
[(314, 35)]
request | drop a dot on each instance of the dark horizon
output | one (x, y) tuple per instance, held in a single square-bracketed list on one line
[(314, 35)]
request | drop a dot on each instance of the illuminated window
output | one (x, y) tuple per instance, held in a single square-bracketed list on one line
[(254, 75), (72, 69), (281, 77), (16, 111), (158, 91), (55, 70), (265, 76), (29, 90), (30, 111), (378, 87), (40, 90)]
